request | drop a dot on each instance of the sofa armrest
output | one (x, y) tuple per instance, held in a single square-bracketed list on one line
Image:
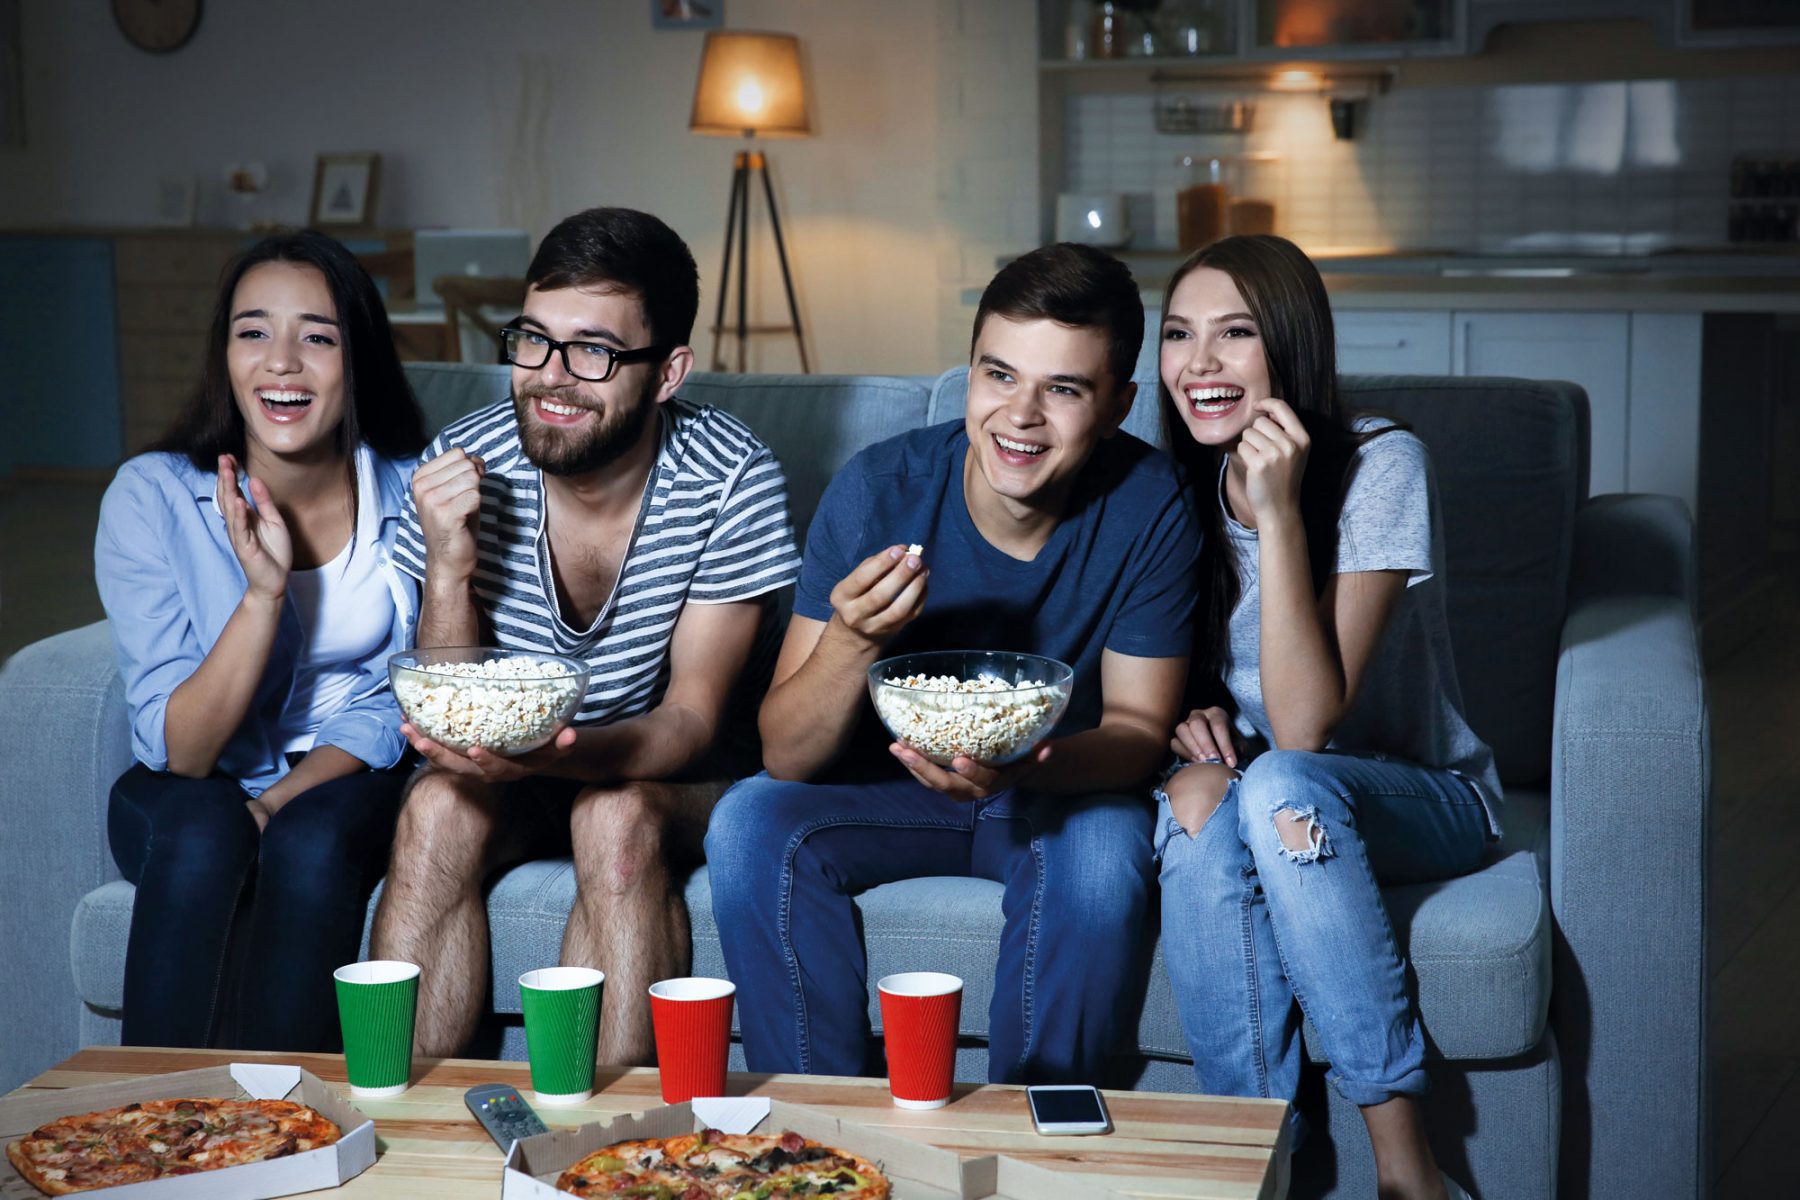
[(63, 738), (1630, 784), (1634, 545)]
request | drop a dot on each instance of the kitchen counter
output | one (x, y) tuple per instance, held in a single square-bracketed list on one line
[(1591, 292), (1759, 279)]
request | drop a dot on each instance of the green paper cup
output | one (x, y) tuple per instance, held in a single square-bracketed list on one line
[(562, 1028), (376, 1001)]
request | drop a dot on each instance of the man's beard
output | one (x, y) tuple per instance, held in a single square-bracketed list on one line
[(595, 445)]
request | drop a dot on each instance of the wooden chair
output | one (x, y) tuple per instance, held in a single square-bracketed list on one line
[(464, 297)]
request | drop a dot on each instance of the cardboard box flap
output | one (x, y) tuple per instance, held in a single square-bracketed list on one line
[(731, 1114), (266, 1081), (917, 1171), (327, 1167)]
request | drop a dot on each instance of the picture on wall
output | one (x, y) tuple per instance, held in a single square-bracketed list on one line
[(687, 14), (345, 188)]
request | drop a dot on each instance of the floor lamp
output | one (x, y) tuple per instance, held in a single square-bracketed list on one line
[(750, 85)]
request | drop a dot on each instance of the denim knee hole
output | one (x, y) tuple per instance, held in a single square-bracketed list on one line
[(1305, 822)]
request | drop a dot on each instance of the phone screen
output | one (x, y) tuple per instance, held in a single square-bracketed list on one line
[(1075, 1106)]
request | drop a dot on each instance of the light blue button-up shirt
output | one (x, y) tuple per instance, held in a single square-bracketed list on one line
[(169, 581)]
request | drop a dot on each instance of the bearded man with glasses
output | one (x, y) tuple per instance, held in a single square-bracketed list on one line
[(594, 514)]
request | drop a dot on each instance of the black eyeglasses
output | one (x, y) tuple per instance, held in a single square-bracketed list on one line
[(584, 360)]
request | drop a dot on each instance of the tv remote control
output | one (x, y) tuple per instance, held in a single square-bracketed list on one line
[(503, 1113)]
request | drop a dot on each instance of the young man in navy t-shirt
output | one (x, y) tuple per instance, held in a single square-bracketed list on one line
[(1043, 530)]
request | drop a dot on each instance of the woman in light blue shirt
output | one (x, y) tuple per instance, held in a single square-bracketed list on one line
[(244, 565)]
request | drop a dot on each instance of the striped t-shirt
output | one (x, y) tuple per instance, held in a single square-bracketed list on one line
[(713, 528)]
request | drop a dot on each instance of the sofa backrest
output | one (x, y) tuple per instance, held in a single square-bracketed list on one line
[(1510, 456)]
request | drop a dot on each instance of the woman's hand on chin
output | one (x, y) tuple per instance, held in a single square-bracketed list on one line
[(1273, 450)]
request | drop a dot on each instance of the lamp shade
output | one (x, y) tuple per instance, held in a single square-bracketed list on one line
[(750, 83)]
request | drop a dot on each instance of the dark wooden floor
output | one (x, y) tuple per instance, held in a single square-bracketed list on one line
[(1754, 924), (46, 585)]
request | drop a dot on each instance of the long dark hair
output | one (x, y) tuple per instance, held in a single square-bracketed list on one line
[(379, 407), (1287, 299)]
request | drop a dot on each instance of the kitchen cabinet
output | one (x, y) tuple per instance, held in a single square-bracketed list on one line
[(1373, 342), (1641, 372), (1350, 28)]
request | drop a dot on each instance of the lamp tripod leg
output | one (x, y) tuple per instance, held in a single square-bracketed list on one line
[(787, 278), (739, 194)]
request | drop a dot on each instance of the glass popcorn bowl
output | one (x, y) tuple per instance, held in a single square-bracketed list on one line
[(991, 706), (506, 701)]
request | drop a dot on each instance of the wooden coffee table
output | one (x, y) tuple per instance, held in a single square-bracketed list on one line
[(1163, 1144)]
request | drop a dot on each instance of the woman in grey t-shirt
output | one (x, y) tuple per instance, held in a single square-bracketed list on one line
[(1323, 569)]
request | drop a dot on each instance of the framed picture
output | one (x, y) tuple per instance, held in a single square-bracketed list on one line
[(345, 188), (687, 14), (175, 200)]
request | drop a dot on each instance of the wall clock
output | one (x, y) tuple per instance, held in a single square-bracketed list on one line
[(159, 26)]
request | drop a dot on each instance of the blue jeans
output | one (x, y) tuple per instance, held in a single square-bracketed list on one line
[(1255, 933), (234, 936), (786, 859)]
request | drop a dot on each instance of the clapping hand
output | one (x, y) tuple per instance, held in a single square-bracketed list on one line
[(259, 537)]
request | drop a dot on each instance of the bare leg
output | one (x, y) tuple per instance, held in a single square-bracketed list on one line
[(1404, 1166), (632, 842), (431, 911)]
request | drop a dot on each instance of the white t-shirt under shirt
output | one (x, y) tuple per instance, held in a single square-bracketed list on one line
[(346, 614), (713, 528), (1409, 703)]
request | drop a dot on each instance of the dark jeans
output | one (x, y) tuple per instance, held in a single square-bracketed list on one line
[(233, 936), (787, 859)]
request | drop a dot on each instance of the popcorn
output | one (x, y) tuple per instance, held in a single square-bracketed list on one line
[(985, 718), (507, 705), (915, 548)]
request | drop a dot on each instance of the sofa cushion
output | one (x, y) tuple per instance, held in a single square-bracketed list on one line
[(1510, 457), (1479, 945)]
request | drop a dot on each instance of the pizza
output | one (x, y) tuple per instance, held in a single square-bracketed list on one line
[(725, 1166), (139, 1142)]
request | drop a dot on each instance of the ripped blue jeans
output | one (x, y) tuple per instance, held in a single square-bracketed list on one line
[(1255, 933)]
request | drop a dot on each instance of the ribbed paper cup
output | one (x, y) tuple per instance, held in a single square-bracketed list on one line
[(562, 1027), (376, 1003), (919, 1014), (692, 1017)]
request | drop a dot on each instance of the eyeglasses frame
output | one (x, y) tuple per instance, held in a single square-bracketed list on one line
[(615, 358)]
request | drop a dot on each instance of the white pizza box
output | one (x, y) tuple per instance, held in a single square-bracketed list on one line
[(326, 1167), (915, 1170)]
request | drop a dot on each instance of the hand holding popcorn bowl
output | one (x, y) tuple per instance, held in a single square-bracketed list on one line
[(992, 706), (506, 701)]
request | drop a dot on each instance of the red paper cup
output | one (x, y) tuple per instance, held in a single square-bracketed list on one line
[(692, 1017), (919, 1014)]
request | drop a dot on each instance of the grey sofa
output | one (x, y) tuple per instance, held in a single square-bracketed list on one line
[(1561, 986)]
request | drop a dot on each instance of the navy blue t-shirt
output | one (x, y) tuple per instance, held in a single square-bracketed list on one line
[(1118, 572)]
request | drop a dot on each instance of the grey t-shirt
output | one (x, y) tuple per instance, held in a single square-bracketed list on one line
[(1409, 704)]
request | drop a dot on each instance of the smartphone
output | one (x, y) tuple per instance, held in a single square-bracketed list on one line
[(1068, 1108)]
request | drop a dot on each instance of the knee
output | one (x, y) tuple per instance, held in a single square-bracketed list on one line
[(750, 823), (1103, 867), (618, 837), (444, 822), (311, 841), (1196, 792), (214, 821), (1291, 802)]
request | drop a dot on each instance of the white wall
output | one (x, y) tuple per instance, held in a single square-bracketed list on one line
[(519, 113)]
